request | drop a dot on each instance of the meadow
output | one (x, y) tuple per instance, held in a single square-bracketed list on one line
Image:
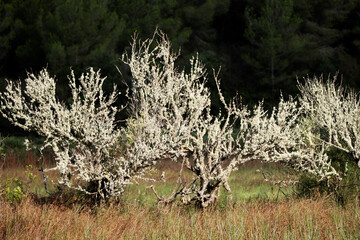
[(257, 210)]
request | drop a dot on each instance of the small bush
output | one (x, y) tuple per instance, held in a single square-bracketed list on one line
[(16, 188)]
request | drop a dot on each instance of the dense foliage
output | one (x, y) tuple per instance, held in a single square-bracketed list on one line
[(260, 44)]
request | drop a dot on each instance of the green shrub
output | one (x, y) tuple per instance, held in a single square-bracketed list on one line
[(16, 188)]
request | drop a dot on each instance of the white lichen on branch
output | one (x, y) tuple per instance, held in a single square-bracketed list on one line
[(174, 110), (333, 110), (171, 120), (82, 134)]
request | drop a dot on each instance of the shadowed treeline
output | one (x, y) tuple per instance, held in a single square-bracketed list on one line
[(260, 45)]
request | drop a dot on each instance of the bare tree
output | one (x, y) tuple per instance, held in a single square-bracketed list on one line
[(83, 134), (333, 110), (174, 110), (171, 119)]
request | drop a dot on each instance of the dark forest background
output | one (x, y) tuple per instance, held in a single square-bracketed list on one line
[(261, 45)]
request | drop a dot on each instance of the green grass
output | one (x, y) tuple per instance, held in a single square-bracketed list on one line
[(247, 184)]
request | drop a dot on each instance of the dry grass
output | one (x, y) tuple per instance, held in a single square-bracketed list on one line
[(14, 160), (138, 217), (293, 219)]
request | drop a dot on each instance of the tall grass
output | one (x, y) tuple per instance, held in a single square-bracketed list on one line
[(291, 219), (257, 211)]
